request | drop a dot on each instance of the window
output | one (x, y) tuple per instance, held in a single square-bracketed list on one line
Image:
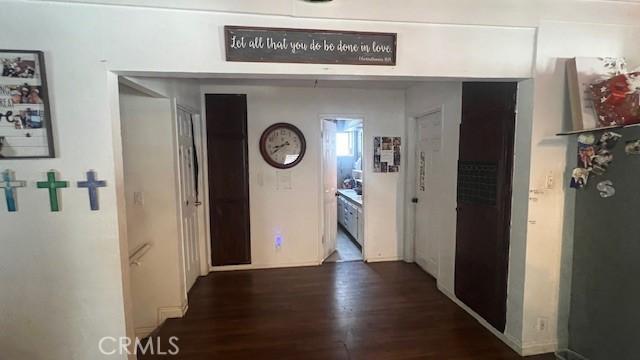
[(344, 144)]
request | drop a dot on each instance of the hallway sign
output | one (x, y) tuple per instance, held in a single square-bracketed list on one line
[(280, 45)]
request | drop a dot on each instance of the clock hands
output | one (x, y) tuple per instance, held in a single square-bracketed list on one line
[(278, 147)]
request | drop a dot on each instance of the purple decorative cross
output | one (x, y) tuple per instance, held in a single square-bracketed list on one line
[(92, 184)]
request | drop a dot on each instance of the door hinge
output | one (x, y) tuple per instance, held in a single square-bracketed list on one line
[(414, 200)]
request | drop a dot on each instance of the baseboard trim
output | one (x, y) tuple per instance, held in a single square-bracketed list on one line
[(288, 265), (171, 312), (429, 266), (262, 266), (537, 349), (383, 259), (511, 342), (164, 313)]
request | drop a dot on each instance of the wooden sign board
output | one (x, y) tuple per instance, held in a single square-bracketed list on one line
[(280, 45)]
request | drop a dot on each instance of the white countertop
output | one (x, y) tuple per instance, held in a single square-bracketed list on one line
[(351, 194)]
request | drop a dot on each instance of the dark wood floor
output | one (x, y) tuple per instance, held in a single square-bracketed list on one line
[(349, 310)]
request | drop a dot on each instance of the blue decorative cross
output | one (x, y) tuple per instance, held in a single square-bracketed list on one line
[(9, 184), (92, 184)]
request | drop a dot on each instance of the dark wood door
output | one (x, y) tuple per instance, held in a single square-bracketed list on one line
[(484, 198), (228, 179)]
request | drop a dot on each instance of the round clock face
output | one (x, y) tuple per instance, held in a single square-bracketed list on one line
[(282, 145)]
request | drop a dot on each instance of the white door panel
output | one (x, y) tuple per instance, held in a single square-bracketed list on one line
[(188, 197), (330, 173), (428, 142)]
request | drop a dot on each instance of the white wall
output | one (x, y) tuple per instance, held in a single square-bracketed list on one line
[(550, 228), (185, 92), (519, 216), (149, 156), (486, 12), (295, 213), (133, 39)]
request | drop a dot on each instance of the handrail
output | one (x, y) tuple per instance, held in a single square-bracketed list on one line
[(134, 259)]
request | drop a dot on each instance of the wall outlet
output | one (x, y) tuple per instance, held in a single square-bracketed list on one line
[(278, 241), (542, 324)]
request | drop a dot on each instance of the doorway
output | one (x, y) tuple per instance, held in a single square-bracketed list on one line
[(161, 183), (343, 184)]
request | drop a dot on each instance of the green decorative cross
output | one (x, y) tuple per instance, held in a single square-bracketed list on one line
[(53, 187)]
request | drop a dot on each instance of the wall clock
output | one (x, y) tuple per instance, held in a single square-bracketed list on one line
[(282, 145)]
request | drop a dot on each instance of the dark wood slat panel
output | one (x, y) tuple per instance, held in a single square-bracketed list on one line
[(484, 214), (231, 226), (226, 114), (227, 155), (228, 179)]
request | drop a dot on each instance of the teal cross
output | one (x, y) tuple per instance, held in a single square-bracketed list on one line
[(9, 184), (53, 187)]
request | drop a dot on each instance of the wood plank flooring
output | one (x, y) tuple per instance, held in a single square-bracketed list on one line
[(349, 310)]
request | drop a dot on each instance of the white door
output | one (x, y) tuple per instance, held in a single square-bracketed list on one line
[(330, 173), (188, 197), (428, 142)]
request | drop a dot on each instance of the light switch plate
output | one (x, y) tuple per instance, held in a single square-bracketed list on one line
[(548, 184), (138, 198)]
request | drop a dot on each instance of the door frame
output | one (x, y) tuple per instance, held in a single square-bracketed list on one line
[(320, 247), (114, 80)]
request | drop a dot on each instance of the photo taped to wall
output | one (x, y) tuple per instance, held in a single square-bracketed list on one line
[(386, 154)]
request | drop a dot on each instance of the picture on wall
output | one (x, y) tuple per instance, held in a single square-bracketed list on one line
[(386, 154), (603, 93), (25, 116)]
